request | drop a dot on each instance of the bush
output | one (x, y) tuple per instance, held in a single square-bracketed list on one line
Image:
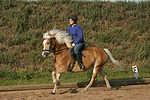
[(7, 4), (18, 39), (22, 19), (16, 75), (6, 58), (35, 57)]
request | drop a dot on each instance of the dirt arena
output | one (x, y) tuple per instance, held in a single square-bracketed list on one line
[(134, 92)]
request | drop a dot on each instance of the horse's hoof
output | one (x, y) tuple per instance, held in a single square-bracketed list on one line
[(84, 90), (108, 89), (52, 93)]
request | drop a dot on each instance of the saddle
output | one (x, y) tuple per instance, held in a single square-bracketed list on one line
[(73, 56)]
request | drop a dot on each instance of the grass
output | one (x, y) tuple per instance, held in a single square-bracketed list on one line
[(24, 77), (122, 27)]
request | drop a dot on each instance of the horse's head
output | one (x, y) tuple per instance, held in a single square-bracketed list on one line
[(48, 46), (54, 39)]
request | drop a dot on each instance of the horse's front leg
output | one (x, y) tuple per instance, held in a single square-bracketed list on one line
[(56, 78)]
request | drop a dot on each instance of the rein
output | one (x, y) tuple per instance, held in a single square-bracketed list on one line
[(53, 49), (58, 51)]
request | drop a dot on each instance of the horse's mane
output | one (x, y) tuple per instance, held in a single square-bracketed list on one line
[(61, 36)]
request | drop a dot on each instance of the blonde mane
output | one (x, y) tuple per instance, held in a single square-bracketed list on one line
[(61, 37)]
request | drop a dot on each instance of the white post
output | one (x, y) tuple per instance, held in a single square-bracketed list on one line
[(135, 70)]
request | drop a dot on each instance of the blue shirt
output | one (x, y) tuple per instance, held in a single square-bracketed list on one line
[(77, 33)]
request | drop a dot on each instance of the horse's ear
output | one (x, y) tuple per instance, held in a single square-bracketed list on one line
[(43, 33), (48, 33)]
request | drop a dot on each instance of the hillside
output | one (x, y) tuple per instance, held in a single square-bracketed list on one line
[(122, 27)]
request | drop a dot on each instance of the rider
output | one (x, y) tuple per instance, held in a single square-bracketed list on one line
[(77, 36)]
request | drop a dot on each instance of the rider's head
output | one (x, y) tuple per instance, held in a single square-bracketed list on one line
[(73, 19)]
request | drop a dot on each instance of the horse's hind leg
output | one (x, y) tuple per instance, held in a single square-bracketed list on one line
[(95, 71), (104, 75)]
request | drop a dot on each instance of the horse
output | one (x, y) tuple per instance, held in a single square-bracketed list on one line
[(59, 42)]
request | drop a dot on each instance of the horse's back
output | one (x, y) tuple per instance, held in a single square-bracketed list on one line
[(95, 49), (95, 54)]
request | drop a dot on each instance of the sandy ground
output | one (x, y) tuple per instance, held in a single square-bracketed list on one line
[(134, 92)]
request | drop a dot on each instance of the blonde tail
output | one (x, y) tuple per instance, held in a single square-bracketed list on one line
[(113, 60)]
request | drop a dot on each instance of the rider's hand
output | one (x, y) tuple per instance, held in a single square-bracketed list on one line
[(73, 44)]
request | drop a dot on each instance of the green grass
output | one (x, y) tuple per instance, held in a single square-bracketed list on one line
[(24, 77)]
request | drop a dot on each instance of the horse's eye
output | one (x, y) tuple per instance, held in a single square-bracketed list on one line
[(48, 43)]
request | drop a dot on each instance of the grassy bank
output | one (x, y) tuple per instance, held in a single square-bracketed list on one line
[(29, 77), (122, 27)]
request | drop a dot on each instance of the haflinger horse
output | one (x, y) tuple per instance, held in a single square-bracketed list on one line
[(94, 58)]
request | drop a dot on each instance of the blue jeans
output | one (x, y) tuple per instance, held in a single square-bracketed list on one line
[(78, 47)]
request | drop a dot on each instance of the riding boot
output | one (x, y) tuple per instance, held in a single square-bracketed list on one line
[(79, 59)]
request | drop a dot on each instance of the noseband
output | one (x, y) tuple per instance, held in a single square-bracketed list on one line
[(51, 47)]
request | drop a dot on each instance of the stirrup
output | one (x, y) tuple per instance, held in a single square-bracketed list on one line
[(81, 66)]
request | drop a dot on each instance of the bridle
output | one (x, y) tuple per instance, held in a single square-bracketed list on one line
[(52, 48)]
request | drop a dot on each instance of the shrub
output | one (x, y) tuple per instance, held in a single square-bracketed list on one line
[(17, 39), (35, 57), (6, 58), (7, 4), (16, 75), (22, 20)]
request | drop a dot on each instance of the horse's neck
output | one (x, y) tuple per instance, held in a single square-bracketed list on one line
[(61, 46)]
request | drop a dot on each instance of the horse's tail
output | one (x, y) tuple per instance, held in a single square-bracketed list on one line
[(113, 60)]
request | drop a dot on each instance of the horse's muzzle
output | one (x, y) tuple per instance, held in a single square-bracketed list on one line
[(45, 53)]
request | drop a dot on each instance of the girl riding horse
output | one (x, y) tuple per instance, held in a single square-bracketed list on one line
[(77, 36)]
